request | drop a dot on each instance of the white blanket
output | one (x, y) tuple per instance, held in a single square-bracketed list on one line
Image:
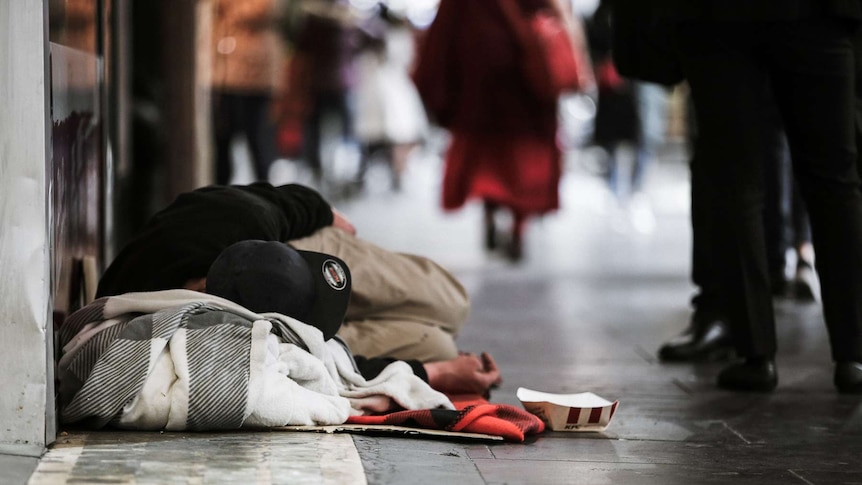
[(180, 359)]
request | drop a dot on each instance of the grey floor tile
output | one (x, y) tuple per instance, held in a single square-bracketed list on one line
[(585, 311), (16, 470)]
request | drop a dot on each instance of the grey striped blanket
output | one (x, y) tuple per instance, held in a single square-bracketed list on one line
[(183, 360)]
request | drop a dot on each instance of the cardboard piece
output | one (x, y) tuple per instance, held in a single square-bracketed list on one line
[(569, 412), (390, 429)]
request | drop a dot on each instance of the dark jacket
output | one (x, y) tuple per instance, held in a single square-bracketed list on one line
[(180, 242), (616, 116)]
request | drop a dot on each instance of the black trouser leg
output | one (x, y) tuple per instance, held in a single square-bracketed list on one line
[(727, 180), (812, 75)]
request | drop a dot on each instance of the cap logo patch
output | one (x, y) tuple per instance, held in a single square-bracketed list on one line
[(334, 274)]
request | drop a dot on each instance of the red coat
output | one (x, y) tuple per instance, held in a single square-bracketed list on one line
[(470, 65), (504, 137)]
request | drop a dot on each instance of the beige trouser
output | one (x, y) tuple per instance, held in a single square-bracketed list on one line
[(402, 306)]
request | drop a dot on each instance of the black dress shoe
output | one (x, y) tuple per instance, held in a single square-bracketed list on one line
[(848, 377), (706, 339), (754, 374)]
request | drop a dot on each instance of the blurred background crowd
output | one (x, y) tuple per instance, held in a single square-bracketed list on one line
[(327, 84), (321, 92), (324, 93)]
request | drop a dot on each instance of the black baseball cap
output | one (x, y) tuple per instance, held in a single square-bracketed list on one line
[(271, 276)]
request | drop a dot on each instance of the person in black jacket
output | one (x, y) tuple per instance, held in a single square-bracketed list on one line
[(178, 246), (801, 51)]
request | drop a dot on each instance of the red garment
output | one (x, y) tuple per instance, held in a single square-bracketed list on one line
[(521, 171), (470, 75), (473, 414)]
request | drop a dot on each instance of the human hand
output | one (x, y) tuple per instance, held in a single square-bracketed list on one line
[(196, 284), (339, 221), (465, 374)]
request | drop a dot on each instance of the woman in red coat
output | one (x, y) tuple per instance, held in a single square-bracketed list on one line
[(504, 148)]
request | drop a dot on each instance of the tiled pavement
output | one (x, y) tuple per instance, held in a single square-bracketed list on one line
[(586, 311)]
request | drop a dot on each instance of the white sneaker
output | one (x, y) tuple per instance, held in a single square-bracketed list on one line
[(806, 284), (641, 214)]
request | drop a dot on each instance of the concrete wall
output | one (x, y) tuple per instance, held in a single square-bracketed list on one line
[(26, 378)]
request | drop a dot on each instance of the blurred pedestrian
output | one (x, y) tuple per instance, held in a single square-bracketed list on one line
[(631, 113), (788, 231), (390, 118), (326, 39), (246, 66), (503, 150)]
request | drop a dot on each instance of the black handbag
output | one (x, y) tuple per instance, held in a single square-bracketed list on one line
[(643, 42)]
